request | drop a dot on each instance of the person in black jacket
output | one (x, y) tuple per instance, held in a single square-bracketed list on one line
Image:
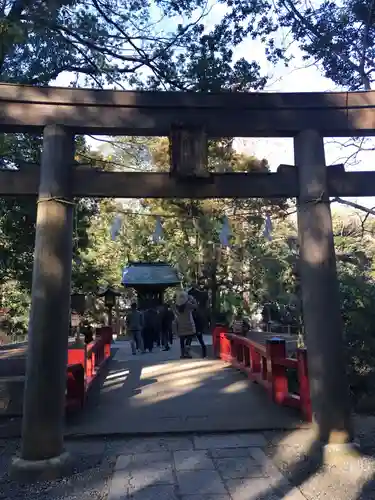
[(149, 328), (167, 318), (199, 327)]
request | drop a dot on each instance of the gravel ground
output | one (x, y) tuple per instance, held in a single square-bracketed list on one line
[(302, 464), (89, 481)]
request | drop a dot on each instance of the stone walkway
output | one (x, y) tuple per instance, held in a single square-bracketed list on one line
[(220, 467), (252, 466), (159, 393)]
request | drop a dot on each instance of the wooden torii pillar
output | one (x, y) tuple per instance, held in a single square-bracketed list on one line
[(320, 296), (42, 451)]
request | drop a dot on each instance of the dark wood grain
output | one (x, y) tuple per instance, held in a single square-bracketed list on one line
[(24, 108)]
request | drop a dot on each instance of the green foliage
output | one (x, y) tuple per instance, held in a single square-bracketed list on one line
[(120, 44), (339, 36), (17, 232), (17, 229), (191, 228), (163, 43), (355, 252), (357, 303), (16, 300)]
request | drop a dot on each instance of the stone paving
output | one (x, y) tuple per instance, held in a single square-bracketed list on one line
[(222, 467), (252, 466)]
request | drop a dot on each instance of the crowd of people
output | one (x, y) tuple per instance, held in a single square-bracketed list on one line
[(158, 326)]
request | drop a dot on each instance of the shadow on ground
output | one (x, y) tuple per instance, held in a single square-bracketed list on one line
[(299, 461), (155, 386), (160, 393)]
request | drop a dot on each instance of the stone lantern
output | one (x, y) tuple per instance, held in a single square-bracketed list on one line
[(109, 295), (78, 302), (77, 308)]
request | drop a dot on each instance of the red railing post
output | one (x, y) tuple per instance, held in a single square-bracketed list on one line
[(223, 341), (216, 341), (255, 360), (107, 350), (225, 347), (75, 386), (77, 355), (89, 366), (220, 344), (240, 353), (104, 338), (304, 385), (246, 357), (233, 349), (276, 373)]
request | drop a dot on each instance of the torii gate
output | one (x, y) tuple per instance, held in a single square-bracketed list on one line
[(188, 119)]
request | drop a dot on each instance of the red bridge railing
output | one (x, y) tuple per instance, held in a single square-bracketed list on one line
[(269, 366), (84, 365)]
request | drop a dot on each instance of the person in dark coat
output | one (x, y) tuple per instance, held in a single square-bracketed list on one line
[(149, 328), (200, 294), (186, 328), (199, 327), (157, 326), (167, 318), (134, 323), (87, 331)]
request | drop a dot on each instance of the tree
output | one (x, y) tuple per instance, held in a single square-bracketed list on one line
[(191, 228), (354, 241), (18, 215), (133, 43), (17, 234), (338, 36)]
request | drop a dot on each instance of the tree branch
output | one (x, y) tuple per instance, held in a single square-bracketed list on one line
[(365, 79), (314, 32), (12, 18), (352, 204)]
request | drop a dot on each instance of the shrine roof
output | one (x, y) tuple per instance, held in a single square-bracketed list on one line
[(150, 274)]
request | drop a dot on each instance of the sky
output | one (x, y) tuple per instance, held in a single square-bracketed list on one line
[(298, 77)]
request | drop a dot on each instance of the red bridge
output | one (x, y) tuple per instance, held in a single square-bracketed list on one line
[(283, 379)]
